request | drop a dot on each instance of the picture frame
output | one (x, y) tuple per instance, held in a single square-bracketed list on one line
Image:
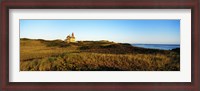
[(103, 4)]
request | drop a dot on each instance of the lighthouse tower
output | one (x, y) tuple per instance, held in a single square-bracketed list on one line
[(70, 38)]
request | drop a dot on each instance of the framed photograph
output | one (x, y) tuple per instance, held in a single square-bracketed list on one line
[(100, 45)]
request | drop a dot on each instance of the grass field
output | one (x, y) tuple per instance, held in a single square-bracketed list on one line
[(56, 55)]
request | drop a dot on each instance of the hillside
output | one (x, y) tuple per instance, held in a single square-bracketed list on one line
[(44, 55)]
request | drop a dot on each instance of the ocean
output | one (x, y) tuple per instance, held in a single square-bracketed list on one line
[(158, 46)]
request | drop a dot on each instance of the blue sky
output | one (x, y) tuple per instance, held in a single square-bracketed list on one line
[(124, 31)]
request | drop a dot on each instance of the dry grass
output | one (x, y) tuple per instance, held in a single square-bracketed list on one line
[(36, 55)]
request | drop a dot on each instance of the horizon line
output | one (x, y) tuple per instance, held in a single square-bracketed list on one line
[(101, 40)]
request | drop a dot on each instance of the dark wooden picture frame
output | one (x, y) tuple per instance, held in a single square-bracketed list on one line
[(99, 4)]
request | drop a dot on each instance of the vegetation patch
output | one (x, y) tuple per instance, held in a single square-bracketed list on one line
[(57, 55)]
